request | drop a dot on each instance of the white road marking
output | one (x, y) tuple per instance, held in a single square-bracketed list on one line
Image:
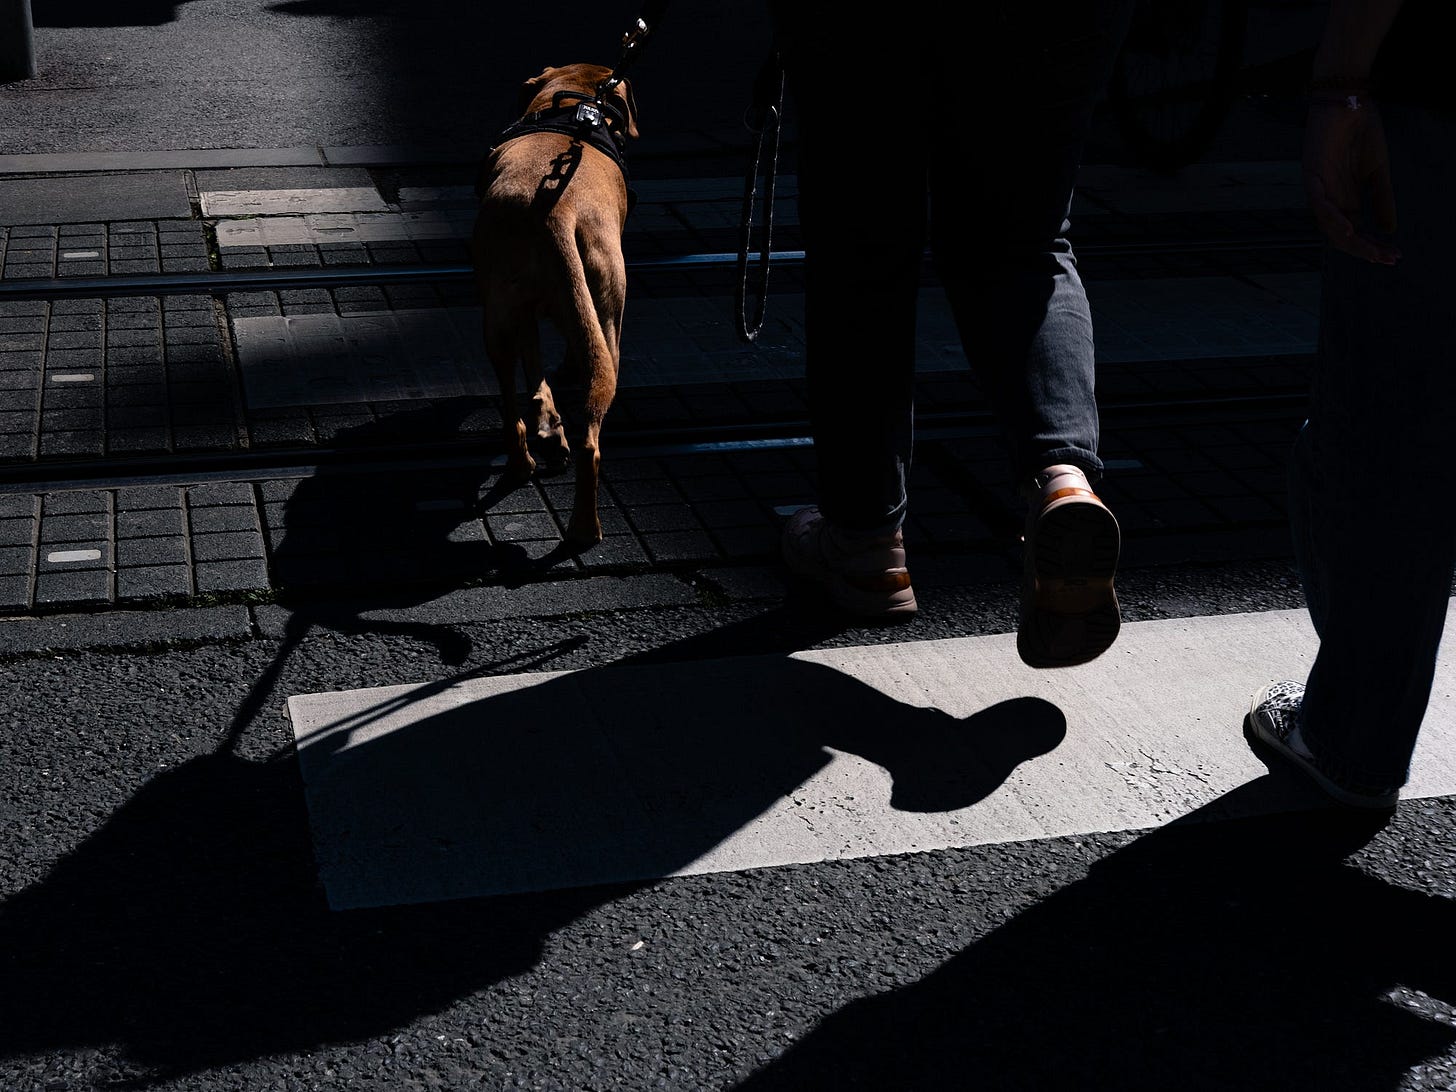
[(60, 557), (562, 779)]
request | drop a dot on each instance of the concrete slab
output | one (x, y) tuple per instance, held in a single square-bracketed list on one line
[(348, 227), (279, 202), (376, 356), (562, 779), (150, 195)]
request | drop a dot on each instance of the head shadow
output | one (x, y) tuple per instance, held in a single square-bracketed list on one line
[(192, 928)]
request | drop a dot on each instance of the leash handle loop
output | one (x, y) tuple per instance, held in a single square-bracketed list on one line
[(770, 129)]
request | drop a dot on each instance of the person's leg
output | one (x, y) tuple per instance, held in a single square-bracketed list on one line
[(1000, 195), (862, 208), (1001, 190), (1375, 531)]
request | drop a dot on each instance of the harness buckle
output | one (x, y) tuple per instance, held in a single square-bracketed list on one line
[(589, 114)]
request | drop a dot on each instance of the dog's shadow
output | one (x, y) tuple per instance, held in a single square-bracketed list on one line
[(190, 928), (354, 543)]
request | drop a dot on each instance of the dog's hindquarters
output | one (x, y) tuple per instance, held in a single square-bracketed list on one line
[(568, 268)]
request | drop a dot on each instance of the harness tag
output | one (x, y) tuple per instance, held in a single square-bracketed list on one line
[(590, 114)]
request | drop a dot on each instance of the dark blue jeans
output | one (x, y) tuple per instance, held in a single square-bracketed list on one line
[(1373, 516), (961, 126)]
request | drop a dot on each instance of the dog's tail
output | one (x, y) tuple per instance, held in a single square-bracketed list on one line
[(596, 282)]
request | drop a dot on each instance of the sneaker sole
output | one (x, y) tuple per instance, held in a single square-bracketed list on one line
[(1254, 731), (1072, 614)]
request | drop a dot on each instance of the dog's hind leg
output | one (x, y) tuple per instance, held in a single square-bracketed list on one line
[(503, 352), (586, 524), (547, 434)]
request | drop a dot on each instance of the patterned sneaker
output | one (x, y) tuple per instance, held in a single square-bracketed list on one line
[(1273, 719), (1069, 611), (864, 576)]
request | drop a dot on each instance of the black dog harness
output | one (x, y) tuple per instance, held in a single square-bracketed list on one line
[(591, 121)]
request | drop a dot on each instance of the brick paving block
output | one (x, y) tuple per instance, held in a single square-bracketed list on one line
[(74, 360), (17, 527), (279, 491), (205, 438), (73, 339), (177, 334), (14, 592), (138, 441), (73, 589), (71, 421), (19, 369), (67, 323), (227, 545), (16, 560), (740, 543), (151, 522), (134, 337), (135, 267), (220, 493), (22, 341), (231, 576), (333, 427), (15, 446), (78, 502), (681, 546), (134, 356), (86, 530), (136, 498), (136, 385), (126, 416), (25, 324), (25, 308), (242, 258), (279, 431), (153, 582), (234, 518), (664, 517), (24, 400), (614, 551), (522, 526), (134, 553), (16, 421), (294, 261), (716, 487), (207, 415), (647, 491), (730, 513), (470, 531)]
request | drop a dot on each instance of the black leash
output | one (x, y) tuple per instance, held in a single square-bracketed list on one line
[(766, 117), (645, 24)]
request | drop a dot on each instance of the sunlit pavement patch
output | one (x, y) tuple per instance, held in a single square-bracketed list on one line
[(565, 779)]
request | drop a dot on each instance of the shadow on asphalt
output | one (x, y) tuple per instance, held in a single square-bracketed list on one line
[(1242, 954), (191, 931)]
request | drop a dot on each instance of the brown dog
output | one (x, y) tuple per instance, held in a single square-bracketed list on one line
[(547, 246)]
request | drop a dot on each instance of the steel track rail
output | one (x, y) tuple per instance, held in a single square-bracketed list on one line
[(173, 284), (484, 451)]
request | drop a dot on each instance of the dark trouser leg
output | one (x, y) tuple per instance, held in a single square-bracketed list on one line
[(1375, 529)]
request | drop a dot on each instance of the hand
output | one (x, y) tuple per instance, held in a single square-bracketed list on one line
[(1347, 177)]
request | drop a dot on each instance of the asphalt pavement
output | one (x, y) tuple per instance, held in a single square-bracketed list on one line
[(324, 764)]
